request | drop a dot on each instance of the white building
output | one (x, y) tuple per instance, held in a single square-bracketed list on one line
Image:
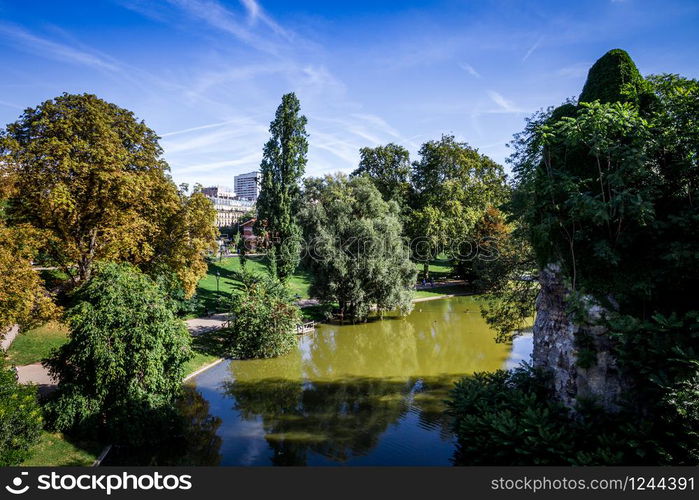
[(247, 186), (229, 210)]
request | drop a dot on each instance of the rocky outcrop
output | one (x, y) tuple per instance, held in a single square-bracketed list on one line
[(555, 347)]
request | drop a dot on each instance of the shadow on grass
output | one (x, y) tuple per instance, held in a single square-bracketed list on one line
[(213, 343)]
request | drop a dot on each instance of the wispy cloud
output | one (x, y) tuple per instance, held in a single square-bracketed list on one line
[(504, 105), (469, 69), (220, 17), (256, 13), (532, 48), (54, 50)]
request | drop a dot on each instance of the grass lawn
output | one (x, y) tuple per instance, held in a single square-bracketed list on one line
[(440, 268), (299, 283), (199, 360), (34, 345), (55, 449), (438, 290)]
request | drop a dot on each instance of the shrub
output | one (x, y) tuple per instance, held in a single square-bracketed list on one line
[(20, 417), (264, 320), (121, 370), (510, 418)]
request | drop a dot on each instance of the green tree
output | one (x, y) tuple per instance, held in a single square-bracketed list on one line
[(20, 417), (92, 176), (264, 320), (121, 370), (389, 168), (283, 165), (454, 185), (356, 251), (607, 190)]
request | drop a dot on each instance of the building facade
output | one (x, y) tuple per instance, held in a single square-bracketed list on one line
[(247, 186), (230, 210)]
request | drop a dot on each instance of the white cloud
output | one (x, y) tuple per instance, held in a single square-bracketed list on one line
[(470, 70), (503, 103)]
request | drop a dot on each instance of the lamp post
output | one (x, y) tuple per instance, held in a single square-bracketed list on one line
[(218, 278)]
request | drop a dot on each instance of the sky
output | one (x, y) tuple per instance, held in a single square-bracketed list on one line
[(208, 75)]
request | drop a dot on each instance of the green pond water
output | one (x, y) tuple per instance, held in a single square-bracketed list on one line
[(365, 394)]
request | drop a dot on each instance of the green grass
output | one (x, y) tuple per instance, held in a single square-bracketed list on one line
[(57, 450), (299, 284), (440, 268), (439, 290), (199, 360), (34, 345)]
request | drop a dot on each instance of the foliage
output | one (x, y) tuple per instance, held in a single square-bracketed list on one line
[(123, 365), (454, 185), (356, 253), (609, 77), (389, 168), (91, 175), (185, 236), (609, 192), (23, 298), (20, 417), (283, 165), (511, 418), (263, 320)]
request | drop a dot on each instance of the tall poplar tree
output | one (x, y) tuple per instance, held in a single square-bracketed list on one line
[(283, 165)]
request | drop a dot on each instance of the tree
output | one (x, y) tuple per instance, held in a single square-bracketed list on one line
[(122, 367), (454, 185), (91, 175), (23, 298), (20, 417), (606, 190), (389, 168), (183, 239), (264, 320), (283, 165), (356, 250)]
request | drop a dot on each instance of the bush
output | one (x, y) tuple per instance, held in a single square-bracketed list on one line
[(511, 418), (264, 320), (122, 368), (20, 417)]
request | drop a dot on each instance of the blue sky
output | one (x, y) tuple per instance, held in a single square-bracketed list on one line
[(207, 75)]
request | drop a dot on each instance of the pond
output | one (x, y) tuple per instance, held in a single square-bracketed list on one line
[(365, 394)]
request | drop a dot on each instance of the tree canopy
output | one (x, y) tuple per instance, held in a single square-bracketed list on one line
[(389, 168), (91, 176), (454, 185), (355, 247), (122, 367), (263, 320), (283, 165)]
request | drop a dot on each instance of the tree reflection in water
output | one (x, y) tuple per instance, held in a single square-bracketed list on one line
[(338, 420), (197, 443)]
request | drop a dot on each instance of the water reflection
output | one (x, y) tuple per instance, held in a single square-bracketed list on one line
[(366, 394), (196, 443)]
